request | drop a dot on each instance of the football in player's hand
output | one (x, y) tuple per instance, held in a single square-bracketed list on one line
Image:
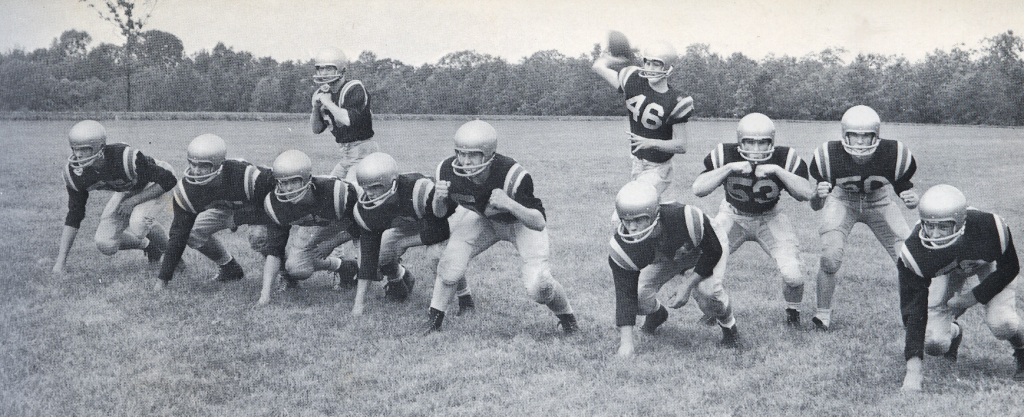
[(618, 45)]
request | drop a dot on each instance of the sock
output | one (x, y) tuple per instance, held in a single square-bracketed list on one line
[(727, 324), (955, 330), (793, 306), (335, 263), (825, 315)]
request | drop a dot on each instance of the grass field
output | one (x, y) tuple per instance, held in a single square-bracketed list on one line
[(99, 342)]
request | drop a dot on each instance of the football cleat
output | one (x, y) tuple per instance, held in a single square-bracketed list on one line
[(346, 274), (230, 271), (399, 289), (434, 321), (954, 345), (792, 317), (466, 305), (568, 323), (819, 325), (1018, 354), (287, 282), (654, 320), (730, 337)]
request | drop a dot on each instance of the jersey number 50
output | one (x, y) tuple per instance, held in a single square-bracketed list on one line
[(853, 184), (652, 113)]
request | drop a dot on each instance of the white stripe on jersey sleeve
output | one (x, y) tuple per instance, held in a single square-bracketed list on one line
[(128, 162), (340, 198), (251, 172), (513, 179), (909, 260), (269, 208), (1004, 237), (792, 161), (718, 156), (420, 191), (181, 197), (695, 224), (68, 179), (620, 257), (359, 218), (625, 73), (683, 108)]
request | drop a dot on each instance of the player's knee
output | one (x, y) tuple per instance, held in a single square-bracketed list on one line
[(107, 246), (196, 241), (791, 274), (831, 261), (297, 269), (1004, 327), (936, 346), (539, 285), (449, 273)]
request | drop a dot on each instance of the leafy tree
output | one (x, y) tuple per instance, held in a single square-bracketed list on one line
[(123, 14)]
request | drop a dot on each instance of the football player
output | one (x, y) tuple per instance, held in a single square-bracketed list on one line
[(951, 243), (495, 197), (654, 244), (323, 205), (754, 172), (657, 112), (215, 193), (851, 176), (140, 185), (395, 214), (342, 107)]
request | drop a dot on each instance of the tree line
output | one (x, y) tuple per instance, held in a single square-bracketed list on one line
[(984, 85)]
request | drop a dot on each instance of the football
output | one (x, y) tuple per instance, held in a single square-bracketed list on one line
[(618, 45)]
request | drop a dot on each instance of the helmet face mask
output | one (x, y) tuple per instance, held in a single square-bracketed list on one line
[(293, 171), (637, 207), (206, 156), (475, 145), (87, 139), (330, 65), (755, 135), (861, 126), (943, 210), (377, 176)]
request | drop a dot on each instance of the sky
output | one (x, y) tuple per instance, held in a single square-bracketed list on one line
[(418, 32)]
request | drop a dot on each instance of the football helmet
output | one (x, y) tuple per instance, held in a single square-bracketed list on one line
[(206, 149), (289, 165), (325, 60), (88, 136), (942, 203), (861, 119), (376, 169), (475, 136), (662, 52), (636, 200), (756, 127)]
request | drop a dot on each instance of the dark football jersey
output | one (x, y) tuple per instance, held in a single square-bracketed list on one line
[(747, 192), (891, 163), (333, 200), (652, 114), (986, 239), (353, 98), (123, 169), (410, 204), (505, 174)]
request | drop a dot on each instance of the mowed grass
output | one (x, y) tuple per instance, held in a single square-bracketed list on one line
[(99, 341)]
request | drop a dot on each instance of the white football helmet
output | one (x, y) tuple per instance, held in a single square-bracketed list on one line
[(330, 66), (861, 119), (475, 136), (636, 200), (88, 136), (941, 204), (205, 149), (377, 168), (756, 127), (662, 52), (287, 166)]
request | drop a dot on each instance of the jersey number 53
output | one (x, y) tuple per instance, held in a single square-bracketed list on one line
[(744, 189), (652, 113)]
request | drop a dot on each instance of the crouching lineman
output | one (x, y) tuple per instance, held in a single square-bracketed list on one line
[(140, 185), (754, 172), (495, 194), (654, 244), (395, 214), (323, 205), (213, 190), (852, 175), (951, 243)]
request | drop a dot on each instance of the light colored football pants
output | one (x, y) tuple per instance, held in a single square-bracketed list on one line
[(115, 232), (1000, 312)]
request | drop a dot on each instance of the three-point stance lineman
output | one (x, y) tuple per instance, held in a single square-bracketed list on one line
[(654, 244), (215, 193), (951, 243), (323, 205), (495, 194), (140, 185), (657, 112), (754, 172), (852, 175), (395, 214)]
